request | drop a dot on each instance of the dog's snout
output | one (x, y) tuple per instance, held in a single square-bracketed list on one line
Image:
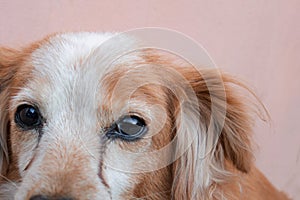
[(42, 197)]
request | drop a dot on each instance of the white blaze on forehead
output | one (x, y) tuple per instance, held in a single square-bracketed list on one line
[(68, 51), (69, 67), (64, 81)]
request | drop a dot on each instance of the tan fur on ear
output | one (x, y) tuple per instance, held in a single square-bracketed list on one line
[(8, 60), (219, 133), (11, 61), (241, 110)]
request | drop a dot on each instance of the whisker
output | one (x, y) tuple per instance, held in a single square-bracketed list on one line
[(8, 180)]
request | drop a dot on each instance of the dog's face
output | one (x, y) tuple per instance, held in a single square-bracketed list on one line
[(78, 122)]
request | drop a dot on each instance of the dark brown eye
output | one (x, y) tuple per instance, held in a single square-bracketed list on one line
[(129, 127), (28, 117)]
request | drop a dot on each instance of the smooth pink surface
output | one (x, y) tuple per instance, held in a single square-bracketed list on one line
[(257, 40)]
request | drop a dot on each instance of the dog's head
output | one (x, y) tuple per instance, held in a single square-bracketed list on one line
[(77, 122)]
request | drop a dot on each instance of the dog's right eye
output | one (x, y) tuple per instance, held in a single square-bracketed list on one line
[(28, 117), (128, 128)]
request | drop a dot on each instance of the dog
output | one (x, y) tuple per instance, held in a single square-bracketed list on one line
[(91, 116)]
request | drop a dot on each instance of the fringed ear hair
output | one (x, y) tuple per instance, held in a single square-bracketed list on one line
[(213, 129), (8, 60)]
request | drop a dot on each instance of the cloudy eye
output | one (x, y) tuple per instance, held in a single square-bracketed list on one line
[(28, 117), (129, 128)]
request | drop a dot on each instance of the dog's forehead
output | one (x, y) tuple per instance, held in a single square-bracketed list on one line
[(82, 54), (71, 50), (68, 69)]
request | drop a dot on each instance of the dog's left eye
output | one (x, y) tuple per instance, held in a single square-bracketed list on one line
[(28, 117), (129, 128)]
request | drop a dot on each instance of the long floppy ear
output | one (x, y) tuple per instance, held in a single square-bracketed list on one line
[(8, 60), (213, 129)]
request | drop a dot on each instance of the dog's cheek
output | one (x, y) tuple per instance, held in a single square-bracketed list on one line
[(23, 146), (119, 183), (116, 171)]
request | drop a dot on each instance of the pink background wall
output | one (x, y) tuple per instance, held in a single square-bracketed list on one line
[(257, 40)]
